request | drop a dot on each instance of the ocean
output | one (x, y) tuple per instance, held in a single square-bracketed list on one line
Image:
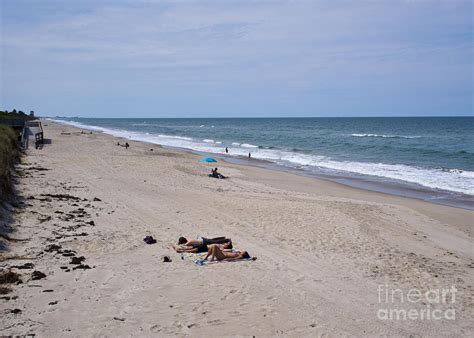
[(431, 158)]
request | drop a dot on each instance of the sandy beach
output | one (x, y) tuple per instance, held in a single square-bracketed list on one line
[(327, 254)]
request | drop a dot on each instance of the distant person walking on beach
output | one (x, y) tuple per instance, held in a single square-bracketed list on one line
[(226, 150), (250, 155)]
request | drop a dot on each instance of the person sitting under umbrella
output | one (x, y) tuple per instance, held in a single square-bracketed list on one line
[(216, 174)]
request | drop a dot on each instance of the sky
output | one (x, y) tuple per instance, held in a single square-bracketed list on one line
[(224, 58)]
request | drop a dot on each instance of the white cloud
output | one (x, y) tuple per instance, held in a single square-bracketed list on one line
[(287, 45)]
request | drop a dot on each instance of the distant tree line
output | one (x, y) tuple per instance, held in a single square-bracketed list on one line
[(17, 115)]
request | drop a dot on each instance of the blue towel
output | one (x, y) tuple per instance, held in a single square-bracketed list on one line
[(202, 262)]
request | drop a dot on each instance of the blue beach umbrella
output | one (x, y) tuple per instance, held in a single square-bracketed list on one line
[(207, 159)]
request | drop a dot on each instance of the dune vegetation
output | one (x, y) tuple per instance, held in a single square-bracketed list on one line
[(9, 155)]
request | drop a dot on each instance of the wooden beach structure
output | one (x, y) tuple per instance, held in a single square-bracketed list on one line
[(26, 130)]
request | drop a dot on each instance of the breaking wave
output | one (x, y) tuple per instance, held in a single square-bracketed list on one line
[(384, 136)]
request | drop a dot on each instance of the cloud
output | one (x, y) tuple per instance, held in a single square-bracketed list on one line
[(290, 46)]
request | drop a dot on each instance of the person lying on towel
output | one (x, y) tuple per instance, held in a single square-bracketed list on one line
[(201, 245), (216, 253), (203, 240)]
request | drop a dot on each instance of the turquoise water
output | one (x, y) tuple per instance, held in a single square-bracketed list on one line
[(432, 152)]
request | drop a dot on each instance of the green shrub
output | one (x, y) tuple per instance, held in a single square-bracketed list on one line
[(9, 155), (15, 115)]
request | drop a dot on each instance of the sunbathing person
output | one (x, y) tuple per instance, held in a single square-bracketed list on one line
[(216, 253), (203, 240), (202, 247), (190, 249)]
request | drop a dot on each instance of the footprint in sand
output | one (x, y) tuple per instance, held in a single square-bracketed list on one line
[(155, 328), (215, 322)]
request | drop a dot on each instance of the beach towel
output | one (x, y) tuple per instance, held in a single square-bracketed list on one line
[(202, 262), (198, 258)]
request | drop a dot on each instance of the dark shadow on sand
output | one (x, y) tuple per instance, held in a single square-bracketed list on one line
[(7, 208)]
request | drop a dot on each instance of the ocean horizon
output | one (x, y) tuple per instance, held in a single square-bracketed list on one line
[(433, 155)]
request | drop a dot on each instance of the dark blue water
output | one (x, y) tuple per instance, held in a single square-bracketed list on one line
[(433, 152)]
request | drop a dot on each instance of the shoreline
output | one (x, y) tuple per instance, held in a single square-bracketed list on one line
[(323, 248), (370, 184), (329, 185), (341, 188), (360, 181)]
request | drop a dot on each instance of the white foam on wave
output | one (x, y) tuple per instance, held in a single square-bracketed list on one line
[(208, 140), (455, 180), (432, 178), (384, 136), (80, 125), (246, 145), (176, 137)]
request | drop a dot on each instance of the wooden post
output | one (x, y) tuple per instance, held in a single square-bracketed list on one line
[(39, 139)]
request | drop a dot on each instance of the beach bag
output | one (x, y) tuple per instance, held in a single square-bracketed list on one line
[(149, 240)]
